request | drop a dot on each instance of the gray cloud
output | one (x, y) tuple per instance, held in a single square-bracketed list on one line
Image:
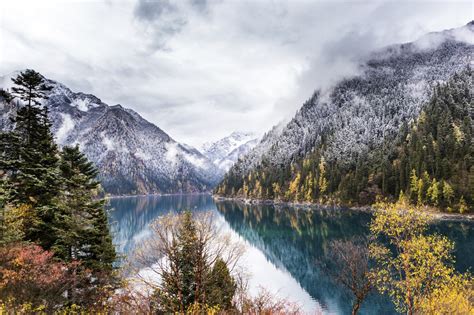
[(164, 18), (151, 10), (202, 69)]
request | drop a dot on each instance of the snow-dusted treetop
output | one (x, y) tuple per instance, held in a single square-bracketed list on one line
[(356, 114)]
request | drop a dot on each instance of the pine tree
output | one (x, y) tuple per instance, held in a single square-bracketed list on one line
[(293, 189), (258, 190), (420, 188), (245, 189), (30, 87), (35, 178), (179, 283), (81, 228), (276, 190), (81, 222), (433, 192), (413, 185), (322, 182), (31, 163), (221, 286), (448, 193), (309, 182), (193, 272), (462, 205)]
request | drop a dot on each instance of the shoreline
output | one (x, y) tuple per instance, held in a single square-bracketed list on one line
[(436, 215), (155, 194)]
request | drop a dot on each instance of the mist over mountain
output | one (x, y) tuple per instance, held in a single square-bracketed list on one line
[(355, 112), (238, 157), (352, 119), (133, 155)]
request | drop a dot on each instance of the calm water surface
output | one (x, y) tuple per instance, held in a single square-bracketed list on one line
[(283, 243)]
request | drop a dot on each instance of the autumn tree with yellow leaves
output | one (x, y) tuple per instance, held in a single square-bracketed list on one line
[(416, 270)]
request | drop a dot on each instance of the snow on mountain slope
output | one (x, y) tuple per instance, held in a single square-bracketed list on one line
[(354, 115), (133, 155), (226, 151)]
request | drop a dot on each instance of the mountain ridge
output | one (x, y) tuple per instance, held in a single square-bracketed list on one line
[(133, 155), (325, 106), (352, 119)]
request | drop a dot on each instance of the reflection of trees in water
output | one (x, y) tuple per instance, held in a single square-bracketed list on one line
[(296, 239), (462, 233), (292, 239), (131, 216)]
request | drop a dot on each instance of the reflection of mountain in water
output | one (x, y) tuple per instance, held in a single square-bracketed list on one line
[(295, 239), (131, 216), (290, 238)]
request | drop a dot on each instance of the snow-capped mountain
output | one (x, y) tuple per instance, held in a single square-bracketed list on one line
[(356, 114), (226, 151), (133, 155)]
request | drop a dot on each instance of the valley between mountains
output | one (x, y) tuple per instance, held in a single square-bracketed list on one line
[(236, 157), (133, 155)]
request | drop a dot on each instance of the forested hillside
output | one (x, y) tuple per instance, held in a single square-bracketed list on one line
[(430, 160), (354, 141), (358, 112)]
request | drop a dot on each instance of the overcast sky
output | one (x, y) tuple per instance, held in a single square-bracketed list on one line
[(200, 69)]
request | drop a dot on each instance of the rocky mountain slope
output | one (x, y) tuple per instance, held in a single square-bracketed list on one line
[(354, 117), (226, 151), (133, 155), (393, 85)]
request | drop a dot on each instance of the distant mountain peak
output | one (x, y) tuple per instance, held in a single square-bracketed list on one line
[(226, 151), (238, 134)]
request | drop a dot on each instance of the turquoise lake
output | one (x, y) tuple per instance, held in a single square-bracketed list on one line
[(284, 243)]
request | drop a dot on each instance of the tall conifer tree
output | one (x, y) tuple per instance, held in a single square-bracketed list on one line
[(32, 158), (81, 222)]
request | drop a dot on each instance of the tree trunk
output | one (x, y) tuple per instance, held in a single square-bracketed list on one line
[(355, 307)]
